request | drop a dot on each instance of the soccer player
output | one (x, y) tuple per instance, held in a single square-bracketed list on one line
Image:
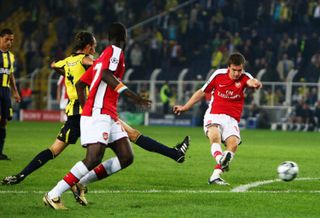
[(62, 97), (7, 82), (99, 123), (72, 68), (221, 119)]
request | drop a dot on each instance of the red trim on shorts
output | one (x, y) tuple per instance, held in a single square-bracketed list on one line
[(70, 179), (100, 171)]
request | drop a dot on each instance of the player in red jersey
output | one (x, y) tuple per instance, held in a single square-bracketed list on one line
[(226, 87), (99, 123)]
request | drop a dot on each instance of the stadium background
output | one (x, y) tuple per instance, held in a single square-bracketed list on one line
[(205, 32), (182, 42)]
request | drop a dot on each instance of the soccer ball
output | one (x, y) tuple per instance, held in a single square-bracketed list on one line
[(288, 170)]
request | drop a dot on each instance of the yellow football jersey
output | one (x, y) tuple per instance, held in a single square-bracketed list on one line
[(73, 69), (7, 63)]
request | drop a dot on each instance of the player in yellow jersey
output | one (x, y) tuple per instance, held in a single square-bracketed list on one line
[(72, 68), (7, 81)]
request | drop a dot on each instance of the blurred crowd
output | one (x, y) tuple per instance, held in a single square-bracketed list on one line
[(276, 35)]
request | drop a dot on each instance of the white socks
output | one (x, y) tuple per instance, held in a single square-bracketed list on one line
[(216, 151), (110, 166), (76, 173)]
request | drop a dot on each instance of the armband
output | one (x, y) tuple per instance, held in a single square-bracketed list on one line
[(120, 88)]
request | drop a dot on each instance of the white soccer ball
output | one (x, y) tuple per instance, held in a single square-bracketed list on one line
[(288, 170)]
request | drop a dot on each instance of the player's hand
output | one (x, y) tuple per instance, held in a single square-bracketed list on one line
[(254, 83), (178, 109), (257, 84), (17, 98), (144, 102), (52, 64)]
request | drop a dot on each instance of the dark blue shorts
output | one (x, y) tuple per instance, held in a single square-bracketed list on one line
[(5, 103), (70, 131)]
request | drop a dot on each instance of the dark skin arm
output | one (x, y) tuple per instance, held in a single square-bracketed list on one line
[(14, 88), (110, 79), (81, 91)]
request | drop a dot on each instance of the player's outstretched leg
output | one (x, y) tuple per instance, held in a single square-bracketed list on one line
[(176, 153), (12, 180), (215, 177), (79, 192), (182, 149), (38, 161)]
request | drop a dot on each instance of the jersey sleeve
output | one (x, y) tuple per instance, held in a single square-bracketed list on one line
[(246, 76), (87, 76), (112, 59), (60, 64), (209, 85)]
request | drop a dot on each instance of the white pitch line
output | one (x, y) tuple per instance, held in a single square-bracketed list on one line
[(241, 188), (152, 191), (246, 187)]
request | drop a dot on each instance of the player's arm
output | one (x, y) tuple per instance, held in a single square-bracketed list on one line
[(254, 83), (196, 97), (58, 69), (111, 80), (14, 88), (81, 92), (87, 61)]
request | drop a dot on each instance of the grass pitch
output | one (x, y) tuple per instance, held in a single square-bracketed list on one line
[(155, 186)]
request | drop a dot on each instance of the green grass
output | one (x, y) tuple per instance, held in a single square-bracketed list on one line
[(155, 186)]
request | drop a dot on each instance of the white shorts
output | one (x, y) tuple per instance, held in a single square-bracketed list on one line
[(100, 128), (228, 125)]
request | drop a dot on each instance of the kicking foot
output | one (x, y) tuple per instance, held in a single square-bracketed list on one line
[(12, 180), (225, 160), (79, 192), (182, 149), (54, 203), (217, 181)]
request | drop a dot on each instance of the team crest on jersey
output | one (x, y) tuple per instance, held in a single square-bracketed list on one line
[(105, 136), (114, 60), (238, 84)]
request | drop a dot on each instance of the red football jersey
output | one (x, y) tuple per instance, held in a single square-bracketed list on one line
[(227, 95), (101, 96)]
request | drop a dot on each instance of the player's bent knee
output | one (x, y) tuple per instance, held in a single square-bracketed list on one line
[(134, 135), (91, 163), (126, 160), (57, 147)]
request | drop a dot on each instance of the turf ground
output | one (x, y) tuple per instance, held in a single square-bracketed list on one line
[(155, 186)]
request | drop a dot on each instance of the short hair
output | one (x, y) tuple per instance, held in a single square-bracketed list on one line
[(236, 59), (82, 39), (6, 31), (117, 31)]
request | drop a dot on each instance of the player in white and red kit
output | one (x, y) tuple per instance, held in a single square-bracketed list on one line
[(99, 119), (62, 97), (221, 120)]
